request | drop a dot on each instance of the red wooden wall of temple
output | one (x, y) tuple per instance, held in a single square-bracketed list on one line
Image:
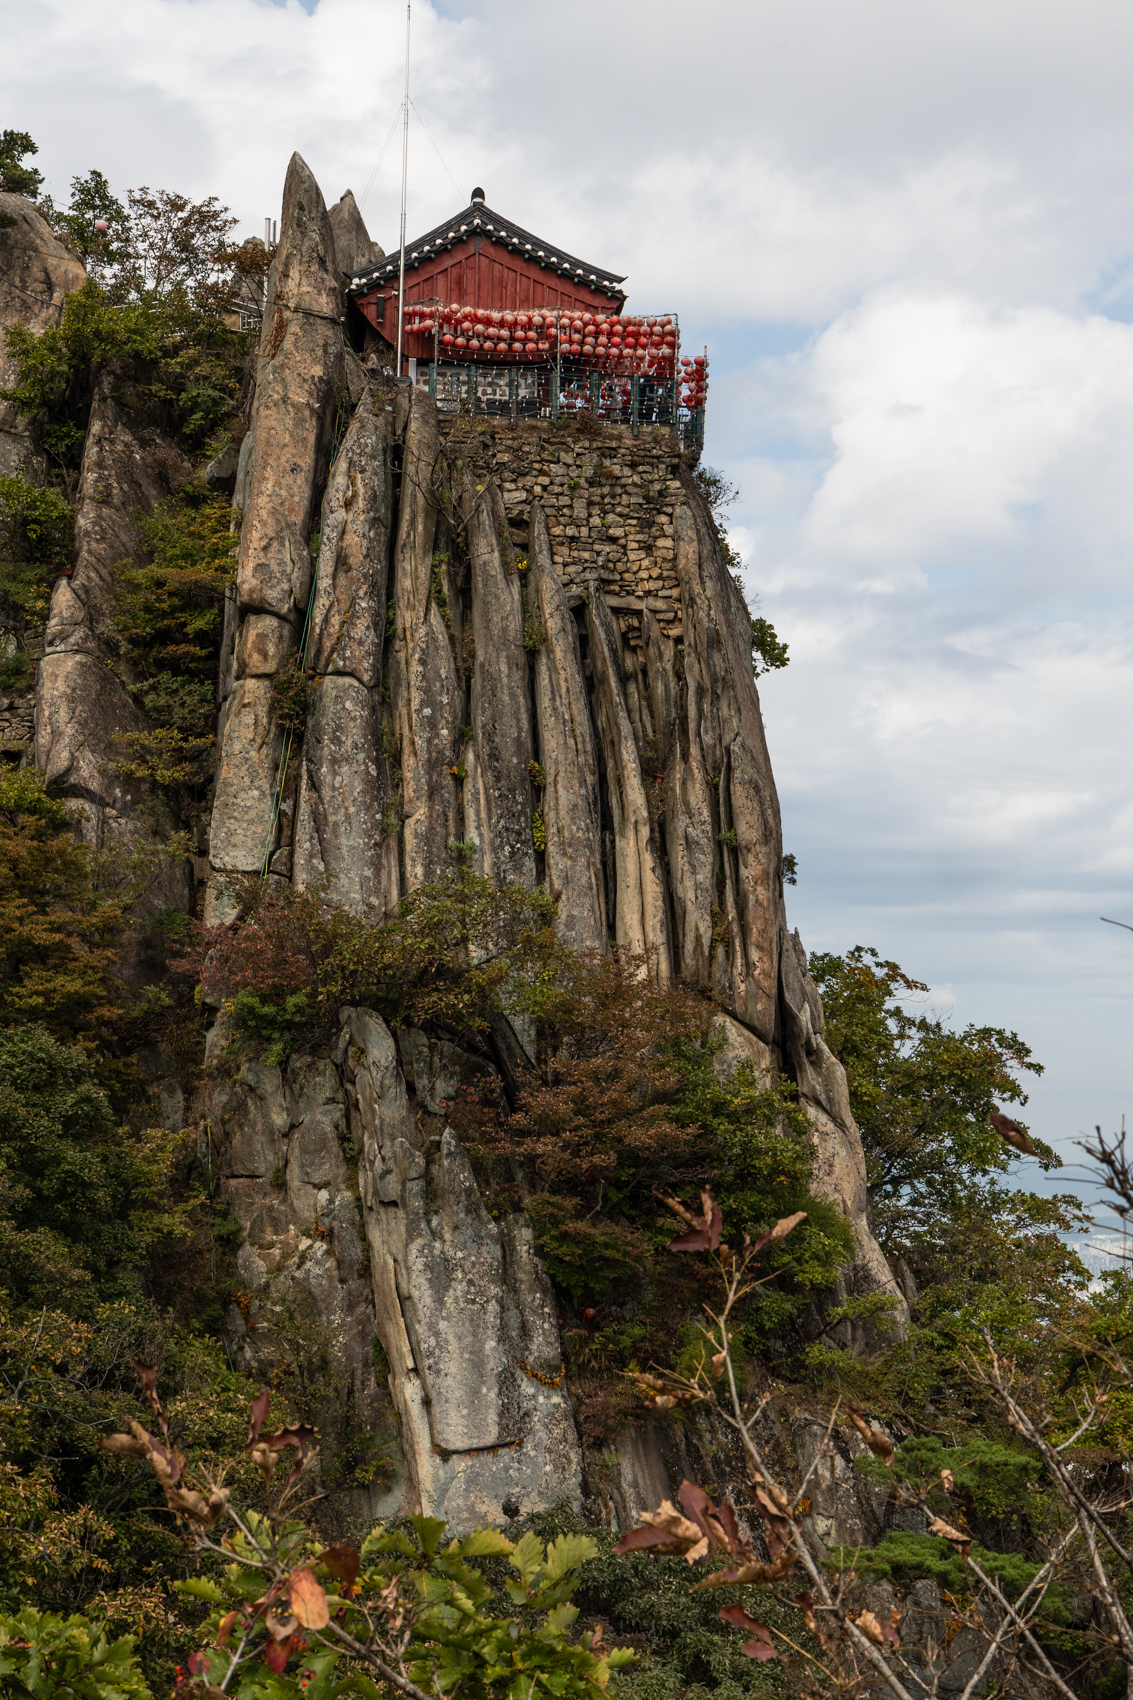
[(482, 273)]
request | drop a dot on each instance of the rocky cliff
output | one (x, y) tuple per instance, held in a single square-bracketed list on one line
[(522, 642), (37, 273)]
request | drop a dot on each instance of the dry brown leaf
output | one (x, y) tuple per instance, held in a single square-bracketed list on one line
[(1012, 1133), (759, 1647), (962, 1542), (343, 1563), (879, 1444), (876, 1631), (756, 1574), (784, 1225), (667, 1531), (124, 1443), (805, 1603), (308, 1601), (706, 1228), (257, 1412), (224, 1628)]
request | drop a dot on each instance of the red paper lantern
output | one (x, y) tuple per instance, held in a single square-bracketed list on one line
[(448, 339)]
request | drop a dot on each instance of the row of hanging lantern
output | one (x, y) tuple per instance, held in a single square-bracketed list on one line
[(693, 380), (614, 343)]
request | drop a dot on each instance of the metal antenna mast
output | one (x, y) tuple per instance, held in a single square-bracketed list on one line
[(404, 178)]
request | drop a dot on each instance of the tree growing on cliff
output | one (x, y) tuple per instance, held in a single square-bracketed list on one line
[(625, 1101), (95, 223), (920, 1092), (16, 178)]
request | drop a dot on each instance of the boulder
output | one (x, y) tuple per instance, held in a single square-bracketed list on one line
[(220, 473), (277, 1138), (37, 273)]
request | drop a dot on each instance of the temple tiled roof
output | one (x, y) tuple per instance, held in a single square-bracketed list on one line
[(479, 219)]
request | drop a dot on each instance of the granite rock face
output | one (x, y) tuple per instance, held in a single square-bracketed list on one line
[(426, 692), (464, 1311), (340, 837), (37, 273), (353, 246), (278, 1136), (84, 714), (299, 384), (567, 754), (482, 691)]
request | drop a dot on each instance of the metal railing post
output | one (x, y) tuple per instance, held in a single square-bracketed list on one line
[(635, 404), (432, 377), (555, 394), (513, 391)]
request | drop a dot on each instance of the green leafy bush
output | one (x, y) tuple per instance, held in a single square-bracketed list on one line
[(902, 1557), (72, 1658), (920, 1092), (16, 178), (81, 1199), (454, 953), (60, 916), (168, 616), (37, 533), (183, 365)]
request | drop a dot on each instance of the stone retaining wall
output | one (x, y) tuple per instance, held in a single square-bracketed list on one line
[(609, 498)]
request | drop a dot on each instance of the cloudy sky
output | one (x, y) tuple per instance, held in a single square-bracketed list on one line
[(903, 229)]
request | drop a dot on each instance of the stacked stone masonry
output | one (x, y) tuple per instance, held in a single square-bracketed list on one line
[(609, 500)]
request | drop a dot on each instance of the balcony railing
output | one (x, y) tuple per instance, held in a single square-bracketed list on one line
[(562, 390)]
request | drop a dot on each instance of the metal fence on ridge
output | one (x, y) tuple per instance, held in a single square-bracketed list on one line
[(555, 391)]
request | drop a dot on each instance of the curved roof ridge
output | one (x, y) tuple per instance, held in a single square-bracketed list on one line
[(480, 218)]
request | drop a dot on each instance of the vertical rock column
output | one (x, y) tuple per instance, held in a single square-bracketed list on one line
[(425, 688), (571, 811), (641, 925), (726, 749), (299, 383), (340, 833), (498, 794)]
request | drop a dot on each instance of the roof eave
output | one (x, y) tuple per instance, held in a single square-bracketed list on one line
[(483, 221)]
